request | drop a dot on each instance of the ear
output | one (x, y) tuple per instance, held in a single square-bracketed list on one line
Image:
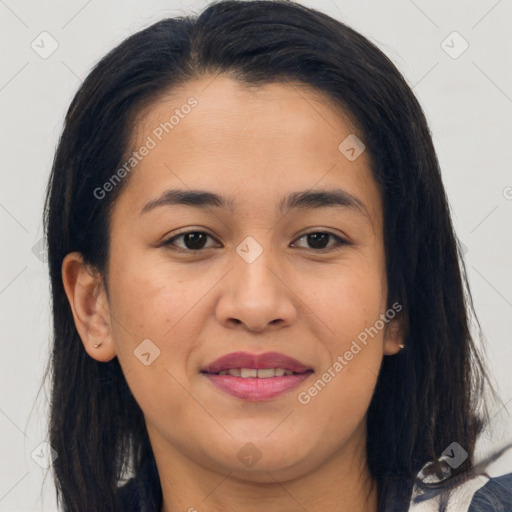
[(394, 335), (89, 303)]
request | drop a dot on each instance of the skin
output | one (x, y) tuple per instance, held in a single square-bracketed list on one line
[(255, 144)]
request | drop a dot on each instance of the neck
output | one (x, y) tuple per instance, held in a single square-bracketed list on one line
[(343, 480)]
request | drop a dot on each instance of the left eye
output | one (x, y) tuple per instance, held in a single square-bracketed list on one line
[(195, 240), (318, 239)]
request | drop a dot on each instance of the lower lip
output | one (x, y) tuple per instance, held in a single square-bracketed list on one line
[(254, 388)]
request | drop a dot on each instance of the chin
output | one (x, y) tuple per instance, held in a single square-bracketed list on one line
[(264, 460)]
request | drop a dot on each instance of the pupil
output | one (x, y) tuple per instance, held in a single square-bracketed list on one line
[(314, 238), (194, 238)]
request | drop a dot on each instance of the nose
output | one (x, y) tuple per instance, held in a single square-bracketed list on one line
[(257, 293)]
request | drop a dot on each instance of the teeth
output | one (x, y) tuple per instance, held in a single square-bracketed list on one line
[(262, 373), (265, 373), (248, 372)]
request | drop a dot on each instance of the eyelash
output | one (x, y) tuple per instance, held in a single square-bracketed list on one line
[(170, 242)]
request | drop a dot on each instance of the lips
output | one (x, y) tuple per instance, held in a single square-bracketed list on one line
[(245, 360)]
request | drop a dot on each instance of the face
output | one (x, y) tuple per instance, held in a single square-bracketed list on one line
[(270, 266)]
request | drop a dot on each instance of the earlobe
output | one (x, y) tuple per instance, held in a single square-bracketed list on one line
[(88, 300), (394, 337)]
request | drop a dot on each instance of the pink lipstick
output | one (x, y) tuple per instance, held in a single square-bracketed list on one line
[(256, 377)]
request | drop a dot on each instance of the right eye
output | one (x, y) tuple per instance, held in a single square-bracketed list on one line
[(193, 241)]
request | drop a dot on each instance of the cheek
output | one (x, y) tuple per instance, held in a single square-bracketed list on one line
[(147, 298), (339, 407), (345, 298), (149, 305), (336, 401), (349, 305)]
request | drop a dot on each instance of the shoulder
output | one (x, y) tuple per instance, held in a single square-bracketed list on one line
[(478, 494), (494, 496)]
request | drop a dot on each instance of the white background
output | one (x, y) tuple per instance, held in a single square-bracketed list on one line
[(467, 100)]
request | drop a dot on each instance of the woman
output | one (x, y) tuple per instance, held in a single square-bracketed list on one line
[(258, 296)]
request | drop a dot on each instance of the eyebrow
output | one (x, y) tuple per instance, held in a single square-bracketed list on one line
[(304, 200)]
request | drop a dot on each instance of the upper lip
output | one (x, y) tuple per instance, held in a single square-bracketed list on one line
[(257, 361)]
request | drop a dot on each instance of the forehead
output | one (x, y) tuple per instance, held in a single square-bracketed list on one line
[(274, 111), (214, 132)]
